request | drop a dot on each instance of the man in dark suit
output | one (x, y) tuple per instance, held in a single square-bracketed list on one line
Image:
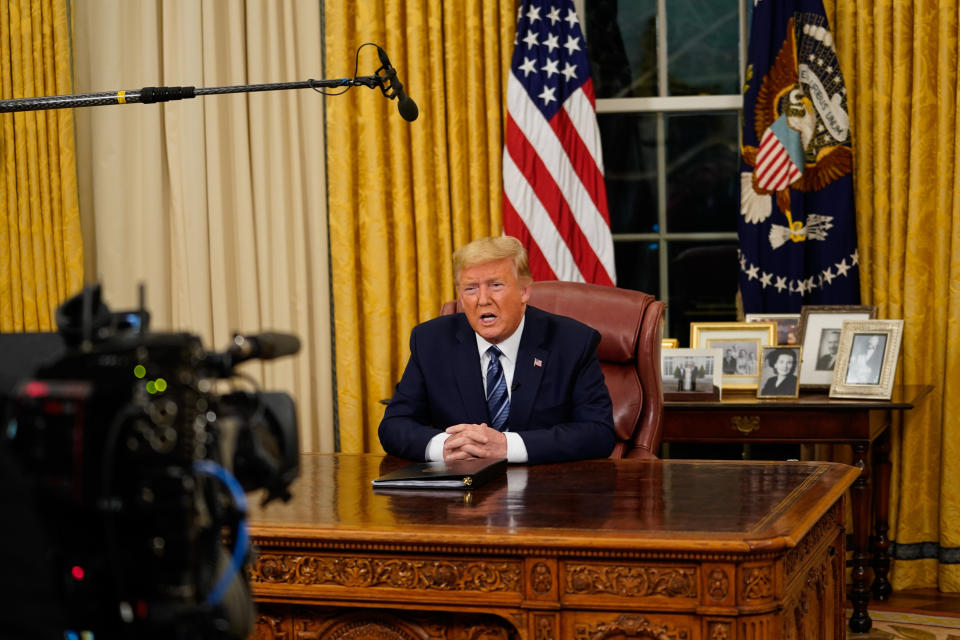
[(449, 403), (829, 341)]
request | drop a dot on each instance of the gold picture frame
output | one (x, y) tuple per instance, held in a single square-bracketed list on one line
[(867, 359), (774, 382), (745, 339), (820, 327), (669, 343)]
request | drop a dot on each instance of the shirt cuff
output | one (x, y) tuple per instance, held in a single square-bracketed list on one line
[(516, 450), (434, 451)]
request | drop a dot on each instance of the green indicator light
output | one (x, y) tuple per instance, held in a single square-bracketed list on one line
[(139, 371), (151, 387), (161, 385)]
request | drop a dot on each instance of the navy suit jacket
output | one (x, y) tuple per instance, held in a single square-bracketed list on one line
[(559, 406)]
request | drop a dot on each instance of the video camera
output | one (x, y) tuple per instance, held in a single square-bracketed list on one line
[(140, 468)]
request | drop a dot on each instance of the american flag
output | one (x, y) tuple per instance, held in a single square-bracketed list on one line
[(554, 196)]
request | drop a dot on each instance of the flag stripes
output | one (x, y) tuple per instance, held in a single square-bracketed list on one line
[(555, 198)]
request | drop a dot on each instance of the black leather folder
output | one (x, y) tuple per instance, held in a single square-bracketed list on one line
[(462, 474)]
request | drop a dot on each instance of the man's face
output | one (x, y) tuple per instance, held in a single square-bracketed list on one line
[(833, 340), (493, 299)]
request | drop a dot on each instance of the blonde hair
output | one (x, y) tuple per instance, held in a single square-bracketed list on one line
[(483, 250)]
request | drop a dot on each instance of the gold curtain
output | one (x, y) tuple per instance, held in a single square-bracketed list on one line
[(900, 63), (41, 251), (403, 195)]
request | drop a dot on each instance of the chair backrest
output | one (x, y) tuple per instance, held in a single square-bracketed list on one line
[(630, 326)]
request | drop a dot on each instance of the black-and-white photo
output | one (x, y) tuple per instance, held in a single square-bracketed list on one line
[(739, 356), (827, 351), (688, 373), (866, 358), (779, 374)]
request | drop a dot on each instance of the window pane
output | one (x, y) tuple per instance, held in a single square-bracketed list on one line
[(638, 266), (703, 285), (703, 188), (630, 167), (622, 45), (703, 47)]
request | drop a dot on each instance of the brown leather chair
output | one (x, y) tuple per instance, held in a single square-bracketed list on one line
[(630, 326)]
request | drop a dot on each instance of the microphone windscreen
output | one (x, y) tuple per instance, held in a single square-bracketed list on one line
[(408, 109), (275, 345)]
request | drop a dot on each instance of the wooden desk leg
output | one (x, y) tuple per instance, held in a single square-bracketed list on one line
[(881, 506), (860, 621)]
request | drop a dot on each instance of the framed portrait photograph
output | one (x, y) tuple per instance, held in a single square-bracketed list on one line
[(779, 368), (867, 359), (669, 343), (820, 328), (788, 325), (740, 343), (690, 373)]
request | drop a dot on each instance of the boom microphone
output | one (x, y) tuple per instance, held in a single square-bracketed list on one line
[(407, 107)]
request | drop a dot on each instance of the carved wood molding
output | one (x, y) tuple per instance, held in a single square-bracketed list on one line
[(541, 579), (396, 573), (544, 626), (825, 527), (718, 584), (270, 544), (323, 623), (632, 582), (757, 583), (719, 631), (630, 627)]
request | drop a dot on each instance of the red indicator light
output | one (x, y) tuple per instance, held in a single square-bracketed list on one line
[(141, 609), (36, 389), (77, 572)]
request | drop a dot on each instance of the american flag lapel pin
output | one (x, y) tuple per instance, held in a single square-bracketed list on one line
[(537, 362)]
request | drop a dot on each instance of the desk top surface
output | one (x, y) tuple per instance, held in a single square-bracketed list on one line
[(616, 504)]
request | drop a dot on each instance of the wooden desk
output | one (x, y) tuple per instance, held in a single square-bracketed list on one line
[(594, 549), (815, 418)]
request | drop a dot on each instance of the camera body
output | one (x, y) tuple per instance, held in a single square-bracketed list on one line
[(140, 468)]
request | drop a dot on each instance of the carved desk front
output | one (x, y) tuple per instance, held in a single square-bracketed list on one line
[(586, 550)]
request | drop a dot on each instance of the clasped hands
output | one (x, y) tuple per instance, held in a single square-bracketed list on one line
[(468, 441)]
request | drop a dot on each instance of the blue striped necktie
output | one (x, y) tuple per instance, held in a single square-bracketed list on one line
[(498, 401)]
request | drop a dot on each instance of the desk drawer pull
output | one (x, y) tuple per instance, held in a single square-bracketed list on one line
[(745, 424)]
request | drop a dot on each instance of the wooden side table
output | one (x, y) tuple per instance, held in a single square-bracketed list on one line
[(814, 418)]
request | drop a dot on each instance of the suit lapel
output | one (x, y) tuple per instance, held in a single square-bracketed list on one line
[(532, 358), (466, 371)]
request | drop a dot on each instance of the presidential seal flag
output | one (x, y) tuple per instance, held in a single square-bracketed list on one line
[(797, 228), (554, 195)]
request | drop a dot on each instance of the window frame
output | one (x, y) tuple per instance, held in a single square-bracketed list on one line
[(662, 106)]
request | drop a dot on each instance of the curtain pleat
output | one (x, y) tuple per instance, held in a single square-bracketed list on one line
[(41, 249), (404, 195), (217, 204), (900, 60)]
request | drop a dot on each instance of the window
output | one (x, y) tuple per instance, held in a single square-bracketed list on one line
[(667, 75)]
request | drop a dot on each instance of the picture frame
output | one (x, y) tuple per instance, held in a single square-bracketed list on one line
[(788, 325), (778, 379), (867, 360), (681, 382), (820, 328), (741, 367), (669, 343)]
